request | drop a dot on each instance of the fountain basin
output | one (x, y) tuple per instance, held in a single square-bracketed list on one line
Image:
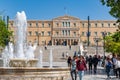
[(33, 73), (23, 62)]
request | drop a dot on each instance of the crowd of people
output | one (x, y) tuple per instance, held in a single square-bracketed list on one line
[(113, 63), (79, 64)]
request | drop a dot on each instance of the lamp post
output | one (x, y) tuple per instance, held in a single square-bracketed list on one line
[(104, 35), (96, 39)]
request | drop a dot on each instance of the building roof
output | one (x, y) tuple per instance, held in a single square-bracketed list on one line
[(66, 17)]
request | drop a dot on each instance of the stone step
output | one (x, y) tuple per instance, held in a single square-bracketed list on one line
[(58, 50)]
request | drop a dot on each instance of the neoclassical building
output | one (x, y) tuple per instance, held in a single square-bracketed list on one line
[(66, 30)]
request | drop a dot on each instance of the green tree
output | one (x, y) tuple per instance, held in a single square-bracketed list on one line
[(112, 43), (114, 6), (5, 34)]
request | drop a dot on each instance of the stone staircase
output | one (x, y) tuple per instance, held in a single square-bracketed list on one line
[(58, 50)]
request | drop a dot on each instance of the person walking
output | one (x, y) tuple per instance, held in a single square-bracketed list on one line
[(69, 61), (90, 62), (75, 53), (95, 63), (63, 55), (114, 63), (81, 66), (117, 67), (73, 68), (108, 66), (67, 54)]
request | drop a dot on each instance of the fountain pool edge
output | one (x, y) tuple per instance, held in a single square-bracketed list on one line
[(33, 73)]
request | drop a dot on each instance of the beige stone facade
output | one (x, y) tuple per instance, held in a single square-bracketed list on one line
[(65, 30)]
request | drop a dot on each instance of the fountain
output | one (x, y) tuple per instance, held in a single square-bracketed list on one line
[(40, 64), (21, 31), (81, 49), (51, 58), (24, 54), (19, 62)]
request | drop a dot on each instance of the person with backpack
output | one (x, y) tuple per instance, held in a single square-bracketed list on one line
[(73, 68), (81, 66), (108, 66)]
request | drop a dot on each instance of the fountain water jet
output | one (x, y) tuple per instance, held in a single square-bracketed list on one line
[(5, 56), (21, 31), (30, 51), (51, 59), (24, 54), (40, 61)]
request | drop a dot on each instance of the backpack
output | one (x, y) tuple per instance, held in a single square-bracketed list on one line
[(109, 64), (73, 64)]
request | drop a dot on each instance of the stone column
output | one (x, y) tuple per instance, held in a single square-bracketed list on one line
[(70, 41), (52, 41), (67, 41), (55, 41)]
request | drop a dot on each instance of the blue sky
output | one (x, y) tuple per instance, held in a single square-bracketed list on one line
[(49, 9)]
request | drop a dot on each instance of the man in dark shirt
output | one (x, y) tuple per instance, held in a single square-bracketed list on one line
[(90, 62), (95, 63)]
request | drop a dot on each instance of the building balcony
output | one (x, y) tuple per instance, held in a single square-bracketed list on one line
[(65, 36), (66, 28)]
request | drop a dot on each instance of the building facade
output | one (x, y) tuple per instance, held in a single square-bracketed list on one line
[(66, 30)]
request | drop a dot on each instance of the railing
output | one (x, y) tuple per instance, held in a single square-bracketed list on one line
[(71, 36), (68, 28)]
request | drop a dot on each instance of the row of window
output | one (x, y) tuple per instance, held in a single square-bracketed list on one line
[(66, 32), (99, 24), (68, 24), (36, 41), (39, 34), (31, 25), (94, 33), (43, 25)]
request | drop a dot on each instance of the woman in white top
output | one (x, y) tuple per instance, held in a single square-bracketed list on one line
[(117, 66)]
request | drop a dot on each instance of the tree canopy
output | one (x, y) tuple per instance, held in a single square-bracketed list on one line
[(114, 7), (5, 34), (112, 43)]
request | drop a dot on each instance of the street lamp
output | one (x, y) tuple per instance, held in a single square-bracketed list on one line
[(96, 39), (104, 35)]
